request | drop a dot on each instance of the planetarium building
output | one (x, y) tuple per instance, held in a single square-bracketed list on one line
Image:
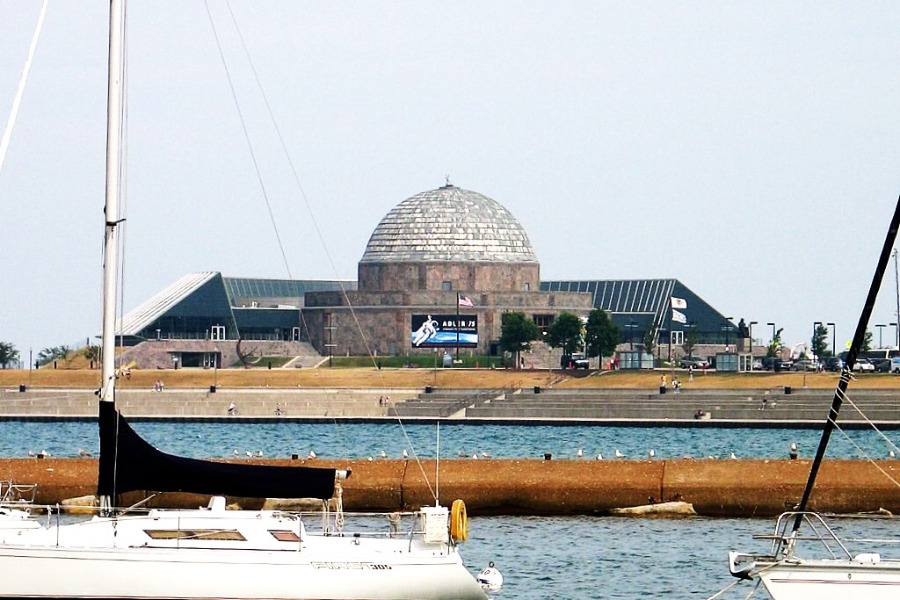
[(437, 273)]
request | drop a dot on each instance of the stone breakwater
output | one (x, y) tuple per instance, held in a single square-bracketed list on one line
[(742, 488)]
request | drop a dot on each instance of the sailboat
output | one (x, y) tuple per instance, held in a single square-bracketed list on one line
[(818, 564), (213, 552)]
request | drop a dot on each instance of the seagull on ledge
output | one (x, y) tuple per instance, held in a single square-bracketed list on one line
[(619, 454)]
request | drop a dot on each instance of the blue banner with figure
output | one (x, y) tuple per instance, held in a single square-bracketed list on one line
[(444, 331)]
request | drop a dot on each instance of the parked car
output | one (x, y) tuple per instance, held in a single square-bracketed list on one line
[(757, 364), (695, 361), (783, 364), (576, 360), (863, 366), (883, 365), (835, 363), (805, 364), (895, 364)]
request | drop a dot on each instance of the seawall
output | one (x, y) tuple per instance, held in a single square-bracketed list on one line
[(735, 488)]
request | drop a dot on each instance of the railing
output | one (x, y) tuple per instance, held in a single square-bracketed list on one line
[(17, 493), (784, 540)]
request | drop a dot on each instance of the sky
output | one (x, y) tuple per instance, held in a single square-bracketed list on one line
[(749, 149)]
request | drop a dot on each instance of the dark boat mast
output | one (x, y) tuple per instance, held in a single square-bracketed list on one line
[(852, 354)]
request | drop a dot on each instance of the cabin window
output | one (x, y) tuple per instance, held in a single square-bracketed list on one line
[(227, 535), (284, 535)]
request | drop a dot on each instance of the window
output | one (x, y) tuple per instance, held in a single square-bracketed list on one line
[(676, 338), (230, 535), (543, 322), (284, 535), (447, 286)]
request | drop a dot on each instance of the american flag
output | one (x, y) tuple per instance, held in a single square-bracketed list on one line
[(465, 301)]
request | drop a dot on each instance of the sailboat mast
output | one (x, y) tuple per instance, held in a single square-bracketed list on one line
[(852, 353), (111, 208)]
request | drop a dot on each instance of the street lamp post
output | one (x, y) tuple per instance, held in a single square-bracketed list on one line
[(833, 338), (896, 330), (727, 329), (880, 327), (750, 331)]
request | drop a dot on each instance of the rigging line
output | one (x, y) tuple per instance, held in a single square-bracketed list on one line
[(246, 133), (866, 455), (855, 345), (366, 343), (871, 424), (20, 91)]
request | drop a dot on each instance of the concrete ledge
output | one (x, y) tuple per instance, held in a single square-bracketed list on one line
[(738, 488)]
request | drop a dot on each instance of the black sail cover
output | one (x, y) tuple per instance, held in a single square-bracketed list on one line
[(129, 463)]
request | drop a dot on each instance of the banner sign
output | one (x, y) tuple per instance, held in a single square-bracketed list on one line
[(444, 331)]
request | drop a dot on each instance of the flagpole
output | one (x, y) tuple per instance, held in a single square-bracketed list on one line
[(457, 327)]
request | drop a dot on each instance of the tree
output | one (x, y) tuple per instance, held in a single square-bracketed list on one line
[(517, 332), (867, 342), (650, 340), (690, 340), (601, 335), (8, 355), (819, 342), (48, 355), (566, 332), (92, 353), (775, 344)]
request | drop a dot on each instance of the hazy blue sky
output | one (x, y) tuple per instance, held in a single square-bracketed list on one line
[(749, 149)]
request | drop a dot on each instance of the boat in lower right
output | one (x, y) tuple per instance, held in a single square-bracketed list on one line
[(807, 559), (832, 570)]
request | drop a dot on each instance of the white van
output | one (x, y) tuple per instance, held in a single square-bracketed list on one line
[(895, 364)]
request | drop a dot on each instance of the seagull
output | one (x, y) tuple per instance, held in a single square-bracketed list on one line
[(311, 454), (619, 454), (485, 454), (405, 454), (43, 454), (371, 459), (599, 457), (652, 453), (460, 454), (83, 453), (383, 454), (31, 453), (235, 453), (580, 453), (259, 453), (249, 454), (474, 456), (733, 456), (891, 454)]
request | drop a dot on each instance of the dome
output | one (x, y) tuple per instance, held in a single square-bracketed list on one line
[(449, 224)]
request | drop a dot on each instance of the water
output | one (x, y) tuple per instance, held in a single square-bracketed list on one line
[(355, 440), (623, 558), (541, 557)]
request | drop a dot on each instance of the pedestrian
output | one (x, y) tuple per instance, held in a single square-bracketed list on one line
[(690, 372), (663, 384), (676, 385), (232, 409)]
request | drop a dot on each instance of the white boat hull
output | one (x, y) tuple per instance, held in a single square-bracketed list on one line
[(831, 580), (257, 555)]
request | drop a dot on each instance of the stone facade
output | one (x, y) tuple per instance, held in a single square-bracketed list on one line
[(427, 250)]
